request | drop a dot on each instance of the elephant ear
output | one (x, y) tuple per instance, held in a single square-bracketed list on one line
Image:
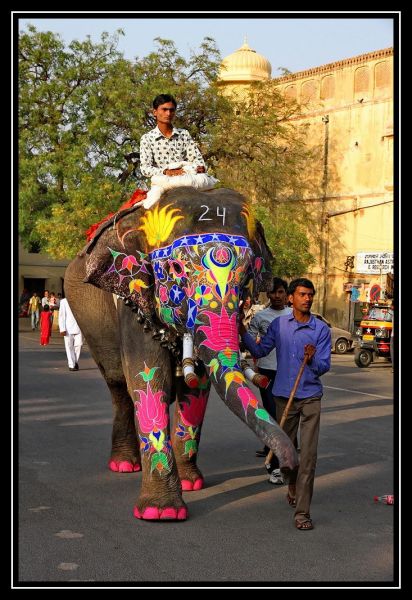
[(262, 269), (117, 264)]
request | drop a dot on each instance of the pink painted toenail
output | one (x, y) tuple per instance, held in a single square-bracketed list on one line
[(187, 485), (182, 514), (151, 513), (125, 467), (168, 513), (198, 484), (136, 513)]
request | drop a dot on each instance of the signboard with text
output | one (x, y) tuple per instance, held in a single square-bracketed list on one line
[(374, 262)]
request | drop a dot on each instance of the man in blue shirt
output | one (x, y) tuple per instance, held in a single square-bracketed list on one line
[(294, 335), (267, 365)]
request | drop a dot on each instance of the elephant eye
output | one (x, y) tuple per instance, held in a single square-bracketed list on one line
[(176, 268)]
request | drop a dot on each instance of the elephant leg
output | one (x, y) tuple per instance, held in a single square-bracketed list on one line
[(189, 414), (96, 315), (147, 367)]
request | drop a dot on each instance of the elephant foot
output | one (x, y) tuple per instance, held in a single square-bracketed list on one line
[(192, 486), (191, 479), (161, 505), (169, 513), (123, 466)]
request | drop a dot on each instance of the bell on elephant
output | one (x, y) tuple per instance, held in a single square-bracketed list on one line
[(178, 370), (184, 264)]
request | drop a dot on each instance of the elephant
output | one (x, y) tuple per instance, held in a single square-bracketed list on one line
[(145, 281)]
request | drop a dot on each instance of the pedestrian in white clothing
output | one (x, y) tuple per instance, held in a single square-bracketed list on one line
[(73, 338)]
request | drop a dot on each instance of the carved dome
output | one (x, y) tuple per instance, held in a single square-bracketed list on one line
[(245, 65)]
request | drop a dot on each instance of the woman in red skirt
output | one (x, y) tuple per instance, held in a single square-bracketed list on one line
[(45, 325)]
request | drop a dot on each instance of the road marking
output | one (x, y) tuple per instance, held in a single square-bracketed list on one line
[(356, 392), (39, 508), (68, 566), (66, 533)]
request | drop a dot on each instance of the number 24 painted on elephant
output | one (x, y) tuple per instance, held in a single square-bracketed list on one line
[(218, 214)]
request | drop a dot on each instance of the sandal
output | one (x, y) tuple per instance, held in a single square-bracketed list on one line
[(304, 525), (291, 500)]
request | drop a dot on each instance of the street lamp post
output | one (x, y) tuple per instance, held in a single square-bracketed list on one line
[(324, 217)]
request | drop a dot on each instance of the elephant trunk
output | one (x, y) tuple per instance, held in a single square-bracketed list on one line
[(223, 362)]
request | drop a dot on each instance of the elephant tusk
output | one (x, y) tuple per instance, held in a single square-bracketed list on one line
[(256, 378), (191, 379)]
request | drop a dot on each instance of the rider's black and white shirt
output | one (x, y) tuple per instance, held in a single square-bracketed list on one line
[(157, 151)]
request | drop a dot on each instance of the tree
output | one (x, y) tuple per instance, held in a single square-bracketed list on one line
[(288, 241), (83, 109)]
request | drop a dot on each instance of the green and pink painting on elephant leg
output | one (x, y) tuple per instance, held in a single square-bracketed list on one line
[(191, 415), (153, 419)]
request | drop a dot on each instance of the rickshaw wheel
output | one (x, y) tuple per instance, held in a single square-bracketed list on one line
[(363, 358)]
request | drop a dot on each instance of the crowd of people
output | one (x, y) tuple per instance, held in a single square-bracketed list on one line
[(35, 306), (53, 309)]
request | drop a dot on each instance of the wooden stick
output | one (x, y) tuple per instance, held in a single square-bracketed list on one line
[(289, 402)]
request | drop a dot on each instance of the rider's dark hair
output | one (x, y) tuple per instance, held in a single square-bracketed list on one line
[(163, 99), (302, 282)]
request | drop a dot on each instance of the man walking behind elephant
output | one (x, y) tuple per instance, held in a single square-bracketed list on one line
[(73, 338), (267, 365), (294, 335)]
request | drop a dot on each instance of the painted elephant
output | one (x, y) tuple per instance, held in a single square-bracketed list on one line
[(145, 281)]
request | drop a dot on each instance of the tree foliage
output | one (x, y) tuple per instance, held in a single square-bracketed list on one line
[(83, 109), (288, 241)]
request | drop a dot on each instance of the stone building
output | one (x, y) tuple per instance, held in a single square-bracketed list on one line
[(38, 272), (348, 107)]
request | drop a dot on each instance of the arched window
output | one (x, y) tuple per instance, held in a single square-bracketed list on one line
[(327, 87), (382, 75), (310, 90), (361, 84), (290, 92)]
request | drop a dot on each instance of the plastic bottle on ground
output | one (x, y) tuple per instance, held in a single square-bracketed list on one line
[(385, 499)]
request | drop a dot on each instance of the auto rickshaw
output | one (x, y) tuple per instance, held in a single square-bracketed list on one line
[(373, 335)]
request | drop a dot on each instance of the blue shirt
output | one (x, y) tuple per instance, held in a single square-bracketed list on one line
[(259, 326), (289, 337)]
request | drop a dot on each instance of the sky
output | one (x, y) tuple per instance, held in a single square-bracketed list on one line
[(297, 43)]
